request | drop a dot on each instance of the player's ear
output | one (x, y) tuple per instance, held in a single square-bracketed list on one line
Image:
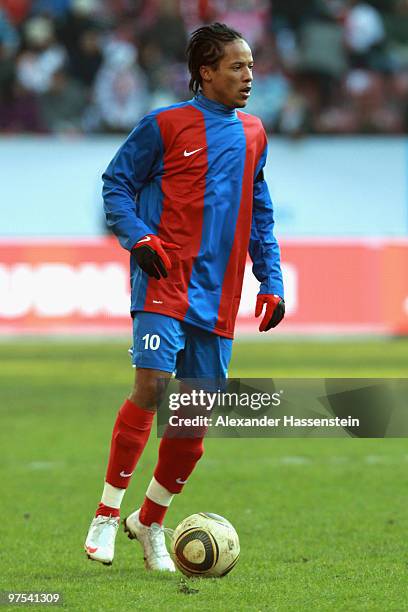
[(206, 73)]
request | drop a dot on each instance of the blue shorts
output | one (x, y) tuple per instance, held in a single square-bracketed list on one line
[(164, 343)]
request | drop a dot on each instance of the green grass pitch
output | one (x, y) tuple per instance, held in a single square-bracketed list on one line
[(323, 523)]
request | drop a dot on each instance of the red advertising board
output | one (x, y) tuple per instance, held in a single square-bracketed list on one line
[(82, 286)]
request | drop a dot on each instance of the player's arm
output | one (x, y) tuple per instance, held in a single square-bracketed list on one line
[(132, 167), (265, 254)]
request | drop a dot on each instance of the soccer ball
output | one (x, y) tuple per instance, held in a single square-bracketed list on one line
[(205, 545)]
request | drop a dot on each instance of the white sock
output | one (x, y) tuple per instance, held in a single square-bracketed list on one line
[(159, 494), (112, 496)]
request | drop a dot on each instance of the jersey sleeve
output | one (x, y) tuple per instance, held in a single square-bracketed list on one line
[(131, 168), (263, 246)]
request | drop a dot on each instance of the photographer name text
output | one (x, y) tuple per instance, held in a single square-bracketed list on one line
[(264, 421)]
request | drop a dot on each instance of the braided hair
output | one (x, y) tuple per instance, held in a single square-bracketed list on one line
[(206, 48)]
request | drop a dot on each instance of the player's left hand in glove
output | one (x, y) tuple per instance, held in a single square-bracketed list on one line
[(275, 310), (151, 256)]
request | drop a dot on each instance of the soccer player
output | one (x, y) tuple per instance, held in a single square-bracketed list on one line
[(186, 196)]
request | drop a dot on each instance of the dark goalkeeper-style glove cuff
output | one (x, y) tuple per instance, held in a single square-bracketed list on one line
[(274, 313), (151, 257)]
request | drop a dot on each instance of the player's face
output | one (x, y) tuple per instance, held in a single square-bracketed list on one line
[(230, 83)]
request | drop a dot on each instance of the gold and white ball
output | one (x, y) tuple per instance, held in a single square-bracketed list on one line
[(206, 545)]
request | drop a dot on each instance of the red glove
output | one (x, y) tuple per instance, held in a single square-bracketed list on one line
[(275, 310), (151, 256)]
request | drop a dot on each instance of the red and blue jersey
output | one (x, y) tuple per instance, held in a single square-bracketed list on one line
[(191, 173)]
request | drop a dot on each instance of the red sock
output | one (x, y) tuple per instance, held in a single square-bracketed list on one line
[(177, 459), (150, 512), (107, 511), (130, 434)]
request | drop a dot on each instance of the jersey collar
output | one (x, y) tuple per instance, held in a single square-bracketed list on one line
[(216, 107)]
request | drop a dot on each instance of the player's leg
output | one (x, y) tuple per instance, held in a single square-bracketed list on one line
[(145, 524), (154, 355), (130, 435), (205, 356), (129, 438)]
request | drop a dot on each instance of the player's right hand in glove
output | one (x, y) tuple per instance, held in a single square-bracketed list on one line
[(151, 256)]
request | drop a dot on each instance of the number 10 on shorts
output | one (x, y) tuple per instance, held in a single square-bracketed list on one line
[(151, 341)]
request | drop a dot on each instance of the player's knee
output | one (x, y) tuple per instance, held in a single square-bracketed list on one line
[(149, 388), (146, 394)]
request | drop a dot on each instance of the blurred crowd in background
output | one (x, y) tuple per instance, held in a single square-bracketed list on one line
[(97, 66)]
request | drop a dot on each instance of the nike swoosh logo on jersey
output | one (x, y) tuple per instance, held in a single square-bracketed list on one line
[(188, 153), (181, 481), (124, 475), (145, 239)]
